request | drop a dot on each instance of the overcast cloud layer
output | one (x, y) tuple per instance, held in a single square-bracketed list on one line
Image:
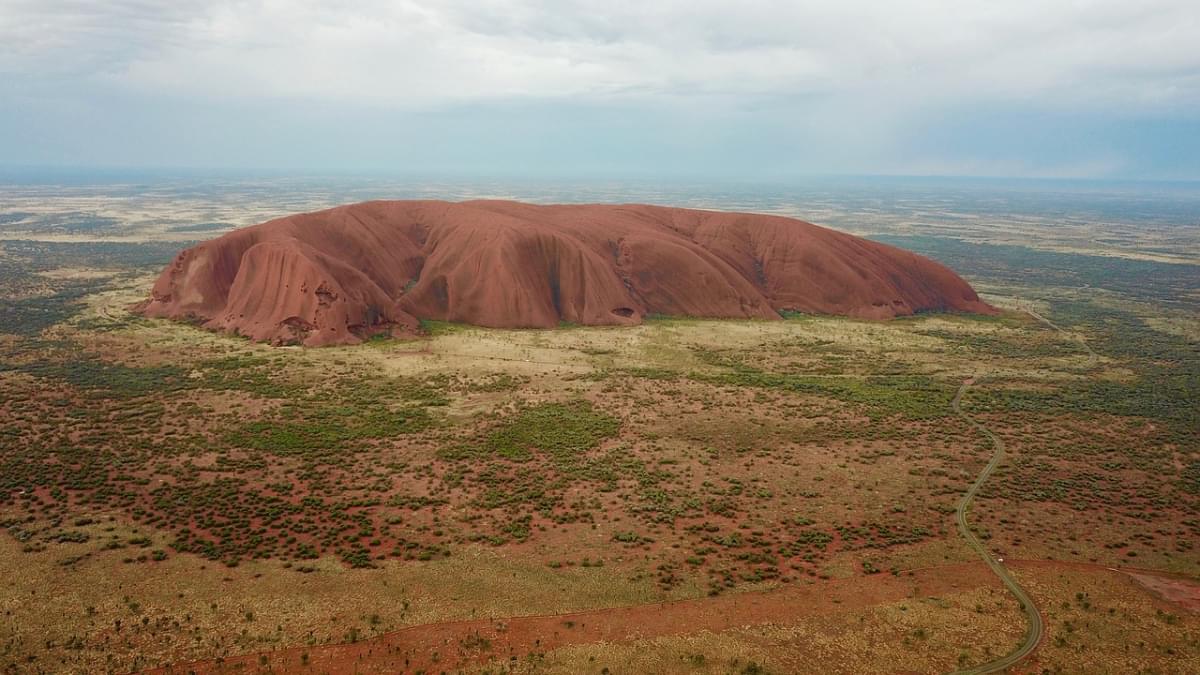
[(757, 88)]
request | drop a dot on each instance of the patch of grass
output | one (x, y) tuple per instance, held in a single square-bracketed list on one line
[(911, 396), (562, 430), (325, 430), (1167, 367), (111, 379), (438, 328)]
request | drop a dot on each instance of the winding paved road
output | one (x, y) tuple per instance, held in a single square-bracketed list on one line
[(1036, 630)]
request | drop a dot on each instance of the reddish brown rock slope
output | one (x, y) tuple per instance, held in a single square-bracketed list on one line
[(335, 276)]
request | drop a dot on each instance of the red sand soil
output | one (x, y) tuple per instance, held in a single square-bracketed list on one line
[(337, 276), (444, 647), (1182, 592)]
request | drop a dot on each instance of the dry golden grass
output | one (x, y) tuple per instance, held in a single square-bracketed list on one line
[(916, 635), (707, 433), (1098, 622), (1103, 622), (185, 608)]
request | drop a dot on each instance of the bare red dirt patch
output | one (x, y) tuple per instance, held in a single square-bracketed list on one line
[(1184, 593), (443, 647), (446, 646)]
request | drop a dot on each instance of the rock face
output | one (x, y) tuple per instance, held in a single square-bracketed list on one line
[(337, 276)]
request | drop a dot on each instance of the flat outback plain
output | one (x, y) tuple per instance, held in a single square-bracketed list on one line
[(678, 496)]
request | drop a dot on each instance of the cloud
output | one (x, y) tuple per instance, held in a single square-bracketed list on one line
[(853, 85), (412, 54)]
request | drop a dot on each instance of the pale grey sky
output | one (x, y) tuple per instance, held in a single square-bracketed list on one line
[(1091, 88)]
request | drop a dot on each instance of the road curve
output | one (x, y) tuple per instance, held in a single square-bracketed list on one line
[(1036, 630), (1033, 635)]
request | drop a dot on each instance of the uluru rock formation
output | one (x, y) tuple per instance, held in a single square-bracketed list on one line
[(337, 276)]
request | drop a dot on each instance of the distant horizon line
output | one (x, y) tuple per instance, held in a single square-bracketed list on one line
[(161, 171)]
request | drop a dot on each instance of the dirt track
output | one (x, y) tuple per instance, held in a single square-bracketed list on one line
[(446, 646), (457, 644)]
